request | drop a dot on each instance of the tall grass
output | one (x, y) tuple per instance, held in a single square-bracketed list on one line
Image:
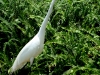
[(72, 41)]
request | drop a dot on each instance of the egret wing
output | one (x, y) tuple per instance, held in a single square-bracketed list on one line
[(29, 50)]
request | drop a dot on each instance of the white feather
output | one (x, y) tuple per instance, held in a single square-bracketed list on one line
[(34, 47)]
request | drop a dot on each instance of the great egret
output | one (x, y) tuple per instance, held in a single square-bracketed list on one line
[(34, 47)]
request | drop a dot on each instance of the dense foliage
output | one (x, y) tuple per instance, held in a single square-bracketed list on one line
[(72, 41)]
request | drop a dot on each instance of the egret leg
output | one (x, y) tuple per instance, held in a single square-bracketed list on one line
[(31, 60)]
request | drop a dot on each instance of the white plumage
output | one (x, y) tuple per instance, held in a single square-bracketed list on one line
[(34, 47)]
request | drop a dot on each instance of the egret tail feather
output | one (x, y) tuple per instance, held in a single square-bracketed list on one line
[(10, 71)]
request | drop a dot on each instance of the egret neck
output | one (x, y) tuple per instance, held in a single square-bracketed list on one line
[(41, 32)]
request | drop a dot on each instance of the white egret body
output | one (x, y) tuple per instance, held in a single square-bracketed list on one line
[(34, 47)]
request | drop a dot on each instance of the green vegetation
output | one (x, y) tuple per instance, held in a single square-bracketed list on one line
[(72, 41)]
